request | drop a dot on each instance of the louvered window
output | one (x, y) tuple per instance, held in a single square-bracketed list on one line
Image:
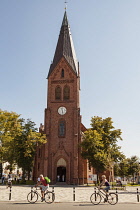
[(66, 92), (58, 93)]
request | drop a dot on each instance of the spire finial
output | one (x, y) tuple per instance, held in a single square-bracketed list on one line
[(65, 5)]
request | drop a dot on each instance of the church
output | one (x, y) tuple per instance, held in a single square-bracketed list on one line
[(60, 158)]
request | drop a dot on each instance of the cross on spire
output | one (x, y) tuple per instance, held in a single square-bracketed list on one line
[(65, 5)]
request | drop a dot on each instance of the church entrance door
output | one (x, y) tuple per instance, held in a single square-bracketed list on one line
[(61, 170), (61, 174)]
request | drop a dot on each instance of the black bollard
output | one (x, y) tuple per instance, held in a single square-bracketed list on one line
[(53, 189), (117, 194), (10, 193), (31, 193), (73, 193), (137, 194)]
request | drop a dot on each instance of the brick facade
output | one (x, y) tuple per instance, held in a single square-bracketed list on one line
[(61, 155), (60, 158)]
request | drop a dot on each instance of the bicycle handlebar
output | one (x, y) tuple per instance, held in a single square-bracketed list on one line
[(36, 187)]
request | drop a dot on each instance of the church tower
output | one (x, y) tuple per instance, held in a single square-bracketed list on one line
[(59, 158)]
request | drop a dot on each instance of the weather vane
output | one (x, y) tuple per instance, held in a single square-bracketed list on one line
[(65, 4)]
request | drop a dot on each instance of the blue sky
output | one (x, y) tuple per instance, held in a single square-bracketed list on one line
[(106, 35)]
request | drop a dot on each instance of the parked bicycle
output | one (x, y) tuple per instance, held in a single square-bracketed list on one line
[(33, 196), (98, 195)]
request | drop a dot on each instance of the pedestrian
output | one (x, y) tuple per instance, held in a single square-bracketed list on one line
[(63, 178), (3, 179), (43, 187), (58, 178)]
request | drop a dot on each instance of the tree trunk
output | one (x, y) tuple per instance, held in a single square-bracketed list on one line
[(28, 175)]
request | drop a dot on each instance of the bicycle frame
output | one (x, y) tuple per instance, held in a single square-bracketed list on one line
[(32, 196), (36, 191), (111, 198), (101, 192)]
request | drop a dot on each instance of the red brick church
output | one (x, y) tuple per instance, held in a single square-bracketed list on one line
[(60, 158)]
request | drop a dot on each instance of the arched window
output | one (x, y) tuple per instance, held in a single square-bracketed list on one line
[(58, 93), (66, 93), (62, 73), (61, 162), (61, 128)]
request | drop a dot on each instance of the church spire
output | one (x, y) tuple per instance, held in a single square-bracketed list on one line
[(65, 47)]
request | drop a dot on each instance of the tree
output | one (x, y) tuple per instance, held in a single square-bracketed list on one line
[(18, 141), (92, 149), (133, 164), (121, 168), (128, 167), (99, 144), (26, 144), (10, 127)]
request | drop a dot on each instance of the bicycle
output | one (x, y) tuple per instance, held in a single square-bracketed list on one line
[(96, 197), (33, 196)]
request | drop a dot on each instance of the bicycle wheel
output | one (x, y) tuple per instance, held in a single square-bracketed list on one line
[(49, 197), (112, 198), (95, 198), (32, 197)]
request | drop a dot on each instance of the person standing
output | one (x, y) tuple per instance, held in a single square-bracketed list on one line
[(3, 179)]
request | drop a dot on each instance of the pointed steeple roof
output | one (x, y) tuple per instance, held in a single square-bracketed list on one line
[(65, 47)]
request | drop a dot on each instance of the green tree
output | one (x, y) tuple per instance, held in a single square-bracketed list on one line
[(26, 144), (92, 149), (10, 127), (133, 164), (18, 141), (99, 144), (121, 168)]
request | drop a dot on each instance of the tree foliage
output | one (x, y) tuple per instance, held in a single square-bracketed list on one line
[(127, 167), (121, 168), (133, 163), (10, 127), (99, 144), (25, 145), (19, 139)]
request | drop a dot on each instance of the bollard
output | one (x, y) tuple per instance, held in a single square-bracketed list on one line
[(53, 193), (73, 193), (10, 193), (31, 193), (117, 194), (53, 189), (137, 194)]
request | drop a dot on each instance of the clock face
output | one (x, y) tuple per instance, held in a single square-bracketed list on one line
[(62, 110)]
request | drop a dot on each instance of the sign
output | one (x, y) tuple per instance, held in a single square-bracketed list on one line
[(92, 177)]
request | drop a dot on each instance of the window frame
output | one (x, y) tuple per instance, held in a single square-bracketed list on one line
[(62, 134), (66, 93), (58, 93)]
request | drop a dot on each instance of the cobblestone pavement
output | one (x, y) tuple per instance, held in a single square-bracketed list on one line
[(66, 194)]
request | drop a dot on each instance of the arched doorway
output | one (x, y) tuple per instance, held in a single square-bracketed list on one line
[(61, 170), (61, 174)]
